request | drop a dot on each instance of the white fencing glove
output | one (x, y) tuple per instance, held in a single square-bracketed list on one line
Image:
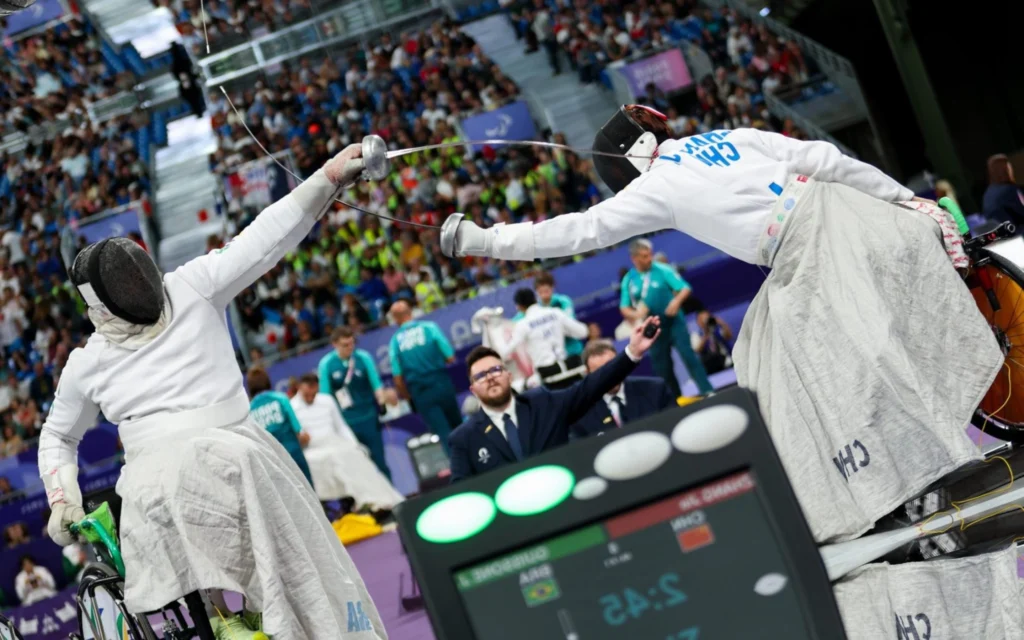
[(460, 237), (344, 169), (65, 499)]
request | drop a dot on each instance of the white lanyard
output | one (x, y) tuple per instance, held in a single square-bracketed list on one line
[(643, 290), (351, 368)]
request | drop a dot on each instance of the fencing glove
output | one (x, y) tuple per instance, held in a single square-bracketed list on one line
[(65, 499), (461, 237), (344, 169)]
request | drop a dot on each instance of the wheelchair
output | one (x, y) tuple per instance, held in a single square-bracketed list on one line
[(980, 506), (7, 629), (102, 614)]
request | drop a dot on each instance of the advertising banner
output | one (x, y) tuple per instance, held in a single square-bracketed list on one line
[(117, 225), (667, 70), (38, 14), (51, 619), (511, 122), (259, 183)]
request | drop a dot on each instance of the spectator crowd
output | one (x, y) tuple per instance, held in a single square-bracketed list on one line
[(748, 60), (51, 77), (410, 90), (83, 170), (413, 90)]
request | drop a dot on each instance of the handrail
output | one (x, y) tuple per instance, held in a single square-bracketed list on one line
[(330, 28)]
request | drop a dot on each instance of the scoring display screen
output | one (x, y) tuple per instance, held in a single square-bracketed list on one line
[(701, 564)]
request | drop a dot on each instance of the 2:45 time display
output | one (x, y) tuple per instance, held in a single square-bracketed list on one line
[(619, 608)]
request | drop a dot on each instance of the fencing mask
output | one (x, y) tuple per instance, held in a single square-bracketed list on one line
[(118, 274), (634, 130)]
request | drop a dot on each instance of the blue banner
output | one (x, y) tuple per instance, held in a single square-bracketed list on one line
[(38, 14), (511, 122), (31, 508), (51, 619), (117, 225), (717, 280)]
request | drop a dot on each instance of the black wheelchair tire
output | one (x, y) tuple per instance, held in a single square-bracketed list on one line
[(994, 426), (138, 628)]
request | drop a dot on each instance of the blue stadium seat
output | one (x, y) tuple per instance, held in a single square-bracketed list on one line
[(111, 58), (337, 93), (490, 6)]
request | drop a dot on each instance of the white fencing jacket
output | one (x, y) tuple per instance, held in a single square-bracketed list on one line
[(322, 419), (543, 330), (191, 364), (718, 187)]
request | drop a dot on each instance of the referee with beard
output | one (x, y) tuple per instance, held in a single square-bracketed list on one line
[(511, 427)]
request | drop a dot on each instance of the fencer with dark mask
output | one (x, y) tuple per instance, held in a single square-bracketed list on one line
[(862, 300), (205, 490), (867, 351)]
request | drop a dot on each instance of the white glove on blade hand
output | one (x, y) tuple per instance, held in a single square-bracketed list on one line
[(65, 499), (344, 169), (471, 240)]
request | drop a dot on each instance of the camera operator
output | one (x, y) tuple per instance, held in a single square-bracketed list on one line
[(712, 342)]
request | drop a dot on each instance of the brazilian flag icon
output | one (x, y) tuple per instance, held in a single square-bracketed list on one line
[(540, 592)]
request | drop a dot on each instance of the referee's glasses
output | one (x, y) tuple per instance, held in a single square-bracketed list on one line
[(480, 376)]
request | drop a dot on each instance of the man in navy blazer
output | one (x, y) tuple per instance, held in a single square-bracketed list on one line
[(634, 399), (511, 427)]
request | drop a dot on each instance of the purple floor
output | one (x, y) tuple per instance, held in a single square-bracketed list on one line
[(383, 567)]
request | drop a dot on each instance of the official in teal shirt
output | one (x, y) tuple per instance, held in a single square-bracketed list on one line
[(350, 376), (660, 288), (272, 410), (420, 355), (544, 286)]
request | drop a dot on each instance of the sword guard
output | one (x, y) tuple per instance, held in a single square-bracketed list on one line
[(449, 234), (376, 165)]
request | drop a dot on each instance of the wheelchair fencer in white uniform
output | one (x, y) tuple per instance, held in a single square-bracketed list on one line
[(206, 492), (868, 354)]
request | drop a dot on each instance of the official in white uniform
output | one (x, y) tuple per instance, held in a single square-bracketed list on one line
[(341, 467), (205, 490), (867, 352), (543, 331)]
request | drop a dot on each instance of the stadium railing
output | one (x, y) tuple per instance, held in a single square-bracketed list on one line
[(354, 21)]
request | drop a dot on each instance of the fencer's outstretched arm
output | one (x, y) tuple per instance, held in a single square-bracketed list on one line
[(825, 162), (641, 208), (222, 274)]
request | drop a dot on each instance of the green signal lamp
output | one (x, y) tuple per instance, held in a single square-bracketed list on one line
[(535, 490), (456, 518)]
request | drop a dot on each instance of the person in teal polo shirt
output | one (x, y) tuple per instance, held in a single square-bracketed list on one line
[(659, 288), (544, 286), (272, 410), (420, 355), (350, 376)]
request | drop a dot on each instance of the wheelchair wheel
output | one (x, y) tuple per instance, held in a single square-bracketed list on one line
[(998, 290), (101, 611)]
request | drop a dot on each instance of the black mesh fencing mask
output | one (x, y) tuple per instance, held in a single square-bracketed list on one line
[(636, 146), (122, 276)]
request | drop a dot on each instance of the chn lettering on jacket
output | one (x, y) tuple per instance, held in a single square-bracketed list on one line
[(710, 148), (851, 459), (357, 618), (913, 627)]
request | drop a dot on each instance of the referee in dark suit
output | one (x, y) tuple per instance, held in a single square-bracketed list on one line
[(636, 398), (510, 427)]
